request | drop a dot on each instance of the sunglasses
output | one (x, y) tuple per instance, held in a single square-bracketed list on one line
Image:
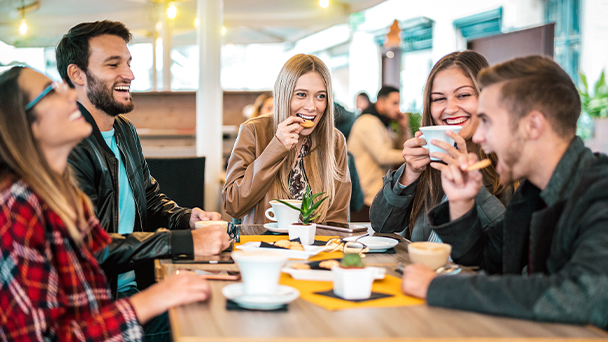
[(339, 245), (59, 87)]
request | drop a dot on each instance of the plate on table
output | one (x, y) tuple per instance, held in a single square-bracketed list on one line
[(324, 275), (378, 243), (292, 254), (284, 295), (274, 227)]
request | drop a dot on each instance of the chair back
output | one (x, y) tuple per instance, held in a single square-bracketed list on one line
[(181, 179)]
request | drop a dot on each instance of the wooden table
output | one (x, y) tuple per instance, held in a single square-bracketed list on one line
[(210, 321)]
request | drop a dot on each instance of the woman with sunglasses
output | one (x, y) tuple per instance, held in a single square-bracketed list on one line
[(52, 287)]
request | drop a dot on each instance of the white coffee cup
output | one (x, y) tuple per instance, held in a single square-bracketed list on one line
[(203, 224), (431, 254), (438, 133), (282, 214), (260, 271), (306, 233)]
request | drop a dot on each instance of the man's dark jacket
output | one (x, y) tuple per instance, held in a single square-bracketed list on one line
[(96, 170), (547, 259)]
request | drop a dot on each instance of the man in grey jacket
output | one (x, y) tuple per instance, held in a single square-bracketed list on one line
[(547, 259)]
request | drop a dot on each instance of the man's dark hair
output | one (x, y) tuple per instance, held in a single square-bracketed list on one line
[(74, 46), (536, 83), (385, 91)]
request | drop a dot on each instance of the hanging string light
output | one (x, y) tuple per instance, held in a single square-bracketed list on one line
[(323, 3), (171, 10), (23, 25)]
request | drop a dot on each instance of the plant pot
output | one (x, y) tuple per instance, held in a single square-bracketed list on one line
[(353, 283), (306, 232)]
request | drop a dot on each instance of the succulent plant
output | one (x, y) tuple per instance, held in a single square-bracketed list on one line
[(308, 206), (352, 260)]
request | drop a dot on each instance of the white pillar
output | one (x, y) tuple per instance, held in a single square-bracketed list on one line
[(167, 33), (209, 102)]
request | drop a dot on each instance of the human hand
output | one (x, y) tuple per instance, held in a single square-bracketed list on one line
[(210, 240), (288, 131), (416, 280), (416, 159), (182, 288), (201, 215)]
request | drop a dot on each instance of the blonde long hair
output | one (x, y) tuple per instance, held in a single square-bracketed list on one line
[(323, 140), (429, 191), (21, 158)]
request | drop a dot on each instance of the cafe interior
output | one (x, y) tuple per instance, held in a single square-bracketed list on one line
[(200, 65)]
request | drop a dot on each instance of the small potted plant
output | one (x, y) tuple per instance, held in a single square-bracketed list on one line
[(305, 230), (352, 280)]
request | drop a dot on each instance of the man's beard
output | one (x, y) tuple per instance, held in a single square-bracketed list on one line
[(511, 157), (101, 96)]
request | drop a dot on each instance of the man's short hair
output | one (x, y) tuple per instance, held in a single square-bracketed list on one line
[(385, 91), (74, 46), (536, 83)]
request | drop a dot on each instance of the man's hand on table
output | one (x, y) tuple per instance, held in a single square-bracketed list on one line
[(210, 240), (416, 280), (201, 215)]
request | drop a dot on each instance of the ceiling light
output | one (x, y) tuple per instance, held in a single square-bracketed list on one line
[(196, 22), (223, 30), (323, 3), (171, 10), (23, 27)]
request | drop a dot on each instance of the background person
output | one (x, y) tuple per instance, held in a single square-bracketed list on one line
[(263, 105), (52, 287), (547, 259), (276, 157), (362, 102), (407, 194), (374, 144), (110, 168)]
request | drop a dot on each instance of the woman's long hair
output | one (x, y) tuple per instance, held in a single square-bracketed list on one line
[(429, 191), (323, 139), (21, 158)]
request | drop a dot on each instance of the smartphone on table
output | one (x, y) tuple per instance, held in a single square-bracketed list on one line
[(222, 258), (343, 227), (219, 274)]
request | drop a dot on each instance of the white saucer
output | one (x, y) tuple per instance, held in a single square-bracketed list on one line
[(324, 275), (284, 295), (274, 227), (377, 243), (308, 251)]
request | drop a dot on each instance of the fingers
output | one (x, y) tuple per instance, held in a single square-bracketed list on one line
[(288, 131), (210, 241), (460, 142)]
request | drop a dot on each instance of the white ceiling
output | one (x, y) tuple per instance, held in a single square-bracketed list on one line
[(246, 21)]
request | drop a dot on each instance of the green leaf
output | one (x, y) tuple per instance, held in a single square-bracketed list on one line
[(600, 82), (583, 79), (289, 205), (316, 195)]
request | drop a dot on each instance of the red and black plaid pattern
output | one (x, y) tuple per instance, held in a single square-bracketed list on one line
[(52, 289)]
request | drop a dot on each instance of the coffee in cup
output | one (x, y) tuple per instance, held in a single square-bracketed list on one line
[(438, 133), (260, 271), (431, 254), (282, 214)]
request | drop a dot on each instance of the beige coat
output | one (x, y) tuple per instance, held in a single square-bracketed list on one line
[(374, 150), (255, 161)]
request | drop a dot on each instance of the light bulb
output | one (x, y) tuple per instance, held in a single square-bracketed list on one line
[(196, 22), (171, 10), (223, 30), (323, 3), (23, 27)]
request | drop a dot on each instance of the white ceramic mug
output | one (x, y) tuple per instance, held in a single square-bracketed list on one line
[(306, 233), (260, 271), (282, 214), (438, 133), (431, 254)]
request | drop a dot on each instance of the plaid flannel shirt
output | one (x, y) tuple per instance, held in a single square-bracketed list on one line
[(53, 289)]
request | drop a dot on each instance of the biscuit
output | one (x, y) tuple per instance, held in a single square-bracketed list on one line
[(307, 124), (300, 266), (283, 243), (328, 264), (296, 246)]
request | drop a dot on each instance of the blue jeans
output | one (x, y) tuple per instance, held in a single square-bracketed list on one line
[(157, 329)]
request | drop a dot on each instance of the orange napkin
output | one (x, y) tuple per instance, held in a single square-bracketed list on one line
[(389, 285)]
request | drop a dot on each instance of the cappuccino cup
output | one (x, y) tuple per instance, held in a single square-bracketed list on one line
[(431, 254), (203, 224), (282, 214), (438, 133), (260, 271)]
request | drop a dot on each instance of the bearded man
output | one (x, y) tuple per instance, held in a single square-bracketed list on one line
[(110, 168)]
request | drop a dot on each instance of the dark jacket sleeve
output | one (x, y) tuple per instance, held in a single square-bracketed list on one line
[(356, 197), (392, 206)]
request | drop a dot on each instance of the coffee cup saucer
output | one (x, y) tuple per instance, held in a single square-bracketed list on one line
[(274, 227), (283, 295)]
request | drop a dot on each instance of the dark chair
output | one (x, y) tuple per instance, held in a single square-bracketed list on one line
[(181, 179)]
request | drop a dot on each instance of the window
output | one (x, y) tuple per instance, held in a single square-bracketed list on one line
[(480, 25), (566, 16)]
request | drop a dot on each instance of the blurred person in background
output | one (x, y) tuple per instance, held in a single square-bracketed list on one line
[(375, 141), (407, 194), (277, 157), (362, 102), (263, 105), (53, 288)]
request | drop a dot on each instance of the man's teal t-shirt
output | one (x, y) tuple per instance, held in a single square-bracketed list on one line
[(126, 207)]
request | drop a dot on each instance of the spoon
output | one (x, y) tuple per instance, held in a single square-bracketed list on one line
[(355, 238)]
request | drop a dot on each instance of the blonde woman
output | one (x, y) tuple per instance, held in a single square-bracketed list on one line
[(53, 288), (276, 156)]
